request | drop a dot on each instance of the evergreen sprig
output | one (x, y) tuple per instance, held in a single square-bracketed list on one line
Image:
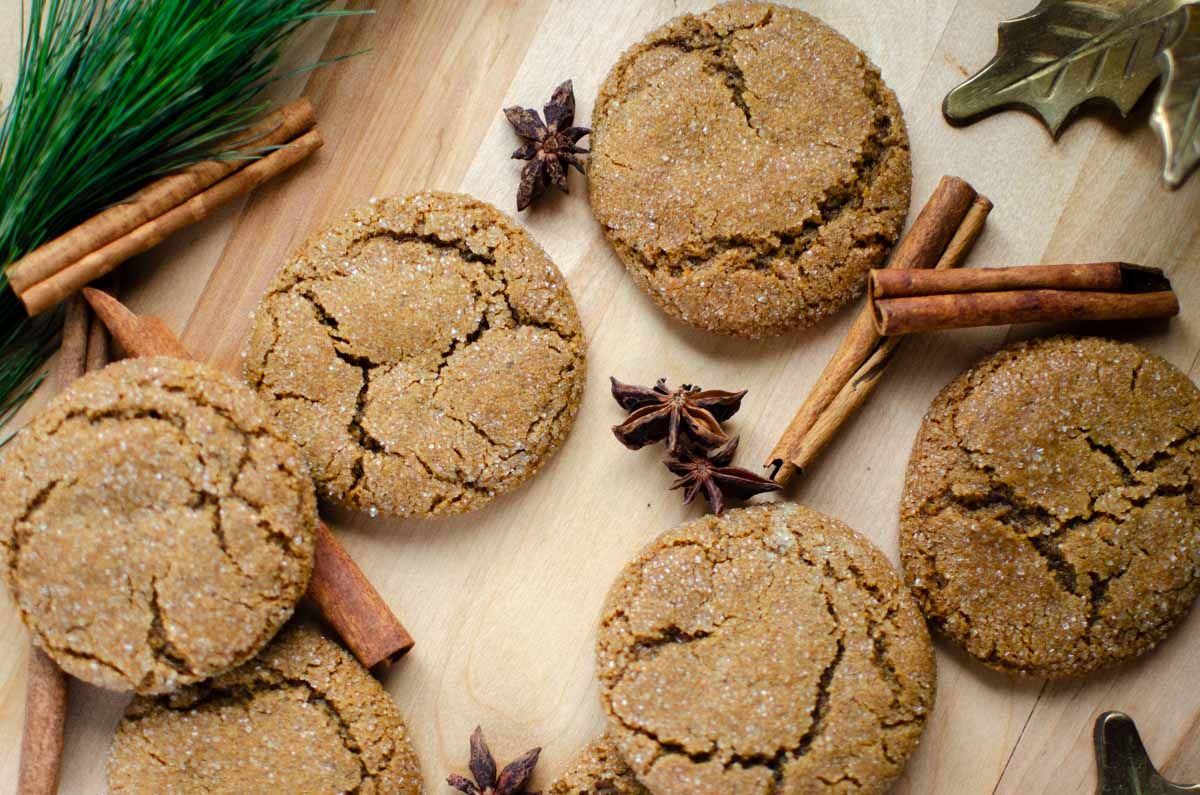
[(111, 94)]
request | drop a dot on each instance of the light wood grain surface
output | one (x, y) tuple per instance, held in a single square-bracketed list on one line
[(503, 602)]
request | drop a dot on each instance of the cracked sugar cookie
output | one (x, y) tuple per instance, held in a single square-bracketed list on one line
[(770, 650), (302, 717), (749, 166), (1050, 522), (425, 352), (598, 769), (156, 524)]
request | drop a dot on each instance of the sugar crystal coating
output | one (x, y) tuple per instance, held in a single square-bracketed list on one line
[(1050, 522), (598, 769), (302, 717)]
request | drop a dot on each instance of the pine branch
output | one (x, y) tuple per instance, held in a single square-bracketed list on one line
[(109, 95)]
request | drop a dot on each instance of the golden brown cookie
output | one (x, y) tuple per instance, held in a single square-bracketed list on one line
[(1050, 522), (770, 650), (749, 165), (157, 525), (598, 770), (302, 717), (425, 352)]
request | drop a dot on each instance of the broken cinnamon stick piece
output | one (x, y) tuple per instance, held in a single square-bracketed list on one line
[(45, 720), (84, 348), (1098, 276), (43, 294), (921, 247), (138, 335), (897, 316), (158, 197), (351, 604), (344, 595)]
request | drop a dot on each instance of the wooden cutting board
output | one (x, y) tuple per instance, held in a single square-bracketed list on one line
[(503, 602)]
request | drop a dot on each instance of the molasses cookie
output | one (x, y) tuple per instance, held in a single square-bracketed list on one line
[(1050, 522), (769, 650), (425, 353), (157, 525), (302, 717), (749, 166), (598, 770)]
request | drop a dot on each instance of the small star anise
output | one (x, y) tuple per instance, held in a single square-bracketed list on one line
[(712, 474), (550, 147), (675, 415), (511, 780)]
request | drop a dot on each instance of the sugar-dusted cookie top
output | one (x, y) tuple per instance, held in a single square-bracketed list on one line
[(1050, 522), (749, 165), (157, 525), (425, 353), (772, 649), (302, 717)]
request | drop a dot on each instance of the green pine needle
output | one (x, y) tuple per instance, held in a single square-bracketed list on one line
[(111, 94)]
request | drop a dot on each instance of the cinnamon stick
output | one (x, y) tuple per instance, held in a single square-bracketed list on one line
[(158, 197), (41, 295), (98, 354), (84, 348), (72, 351), (1098, 276), (344, 595), (897, 316), (351, 604), (930, 236), (854, 394), (45, 721)]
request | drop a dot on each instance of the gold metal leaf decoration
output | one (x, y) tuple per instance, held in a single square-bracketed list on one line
[(1123, 764), (1177, 110), (1065, 53)]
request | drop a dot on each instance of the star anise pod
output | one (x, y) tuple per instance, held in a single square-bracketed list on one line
[(549, 147), (510, 781), (674, 415), (712, 474)]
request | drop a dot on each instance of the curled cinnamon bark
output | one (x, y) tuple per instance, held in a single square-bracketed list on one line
[(156, 198), (898, 316), (62, 280)]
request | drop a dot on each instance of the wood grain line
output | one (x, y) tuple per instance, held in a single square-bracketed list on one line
[(1017, 744)]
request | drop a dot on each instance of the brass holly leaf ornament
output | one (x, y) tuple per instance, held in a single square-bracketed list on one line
[(1177, 111), (1124, 766), (1065, 53)]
